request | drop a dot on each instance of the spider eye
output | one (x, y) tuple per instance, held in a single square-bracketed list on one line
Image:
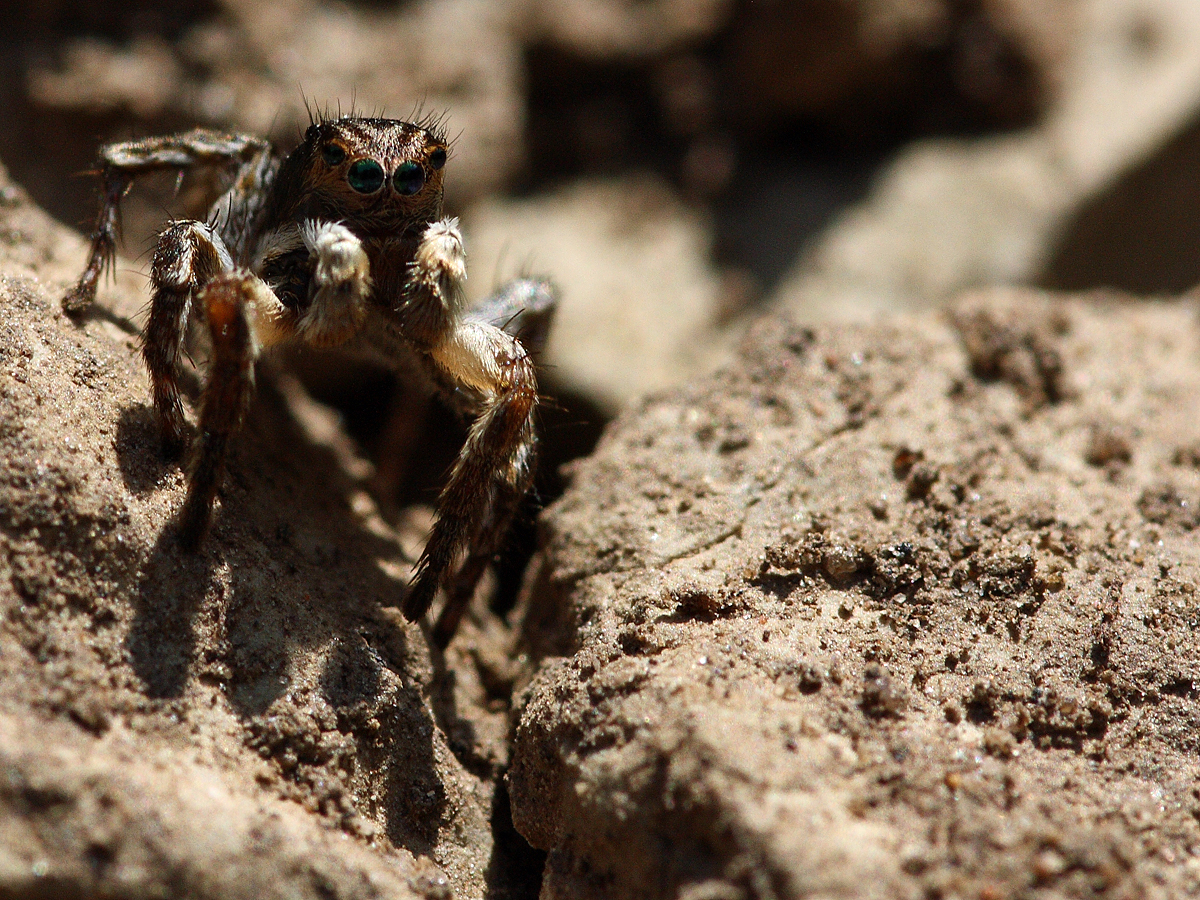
[(409, 178), (365, 176), (437, 158), (332, 154)]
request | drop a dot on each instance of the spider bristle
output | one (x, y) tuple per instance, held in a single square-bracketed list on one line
[(431, 120)]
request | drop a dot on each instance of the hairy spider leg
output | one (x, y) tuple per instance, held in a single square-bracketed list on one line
[(497, 459), (103, 251), (189, 254), (227, 301), (493, 470), (119, 164), (508, 488), (524, 307)]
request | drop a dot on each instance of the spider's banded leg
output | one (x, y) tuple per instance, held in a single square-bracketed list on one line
[(231, 303), (119, 164), (508, 490), (188, 255), (103, 250), (497, 458), (524, 308)]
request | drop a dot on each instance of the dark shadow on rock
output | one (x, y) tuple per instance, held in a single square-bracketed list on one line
[(416, 801), (351, 674), (304, 576), (162, 640), (256, 648), (1141, 232), (515, 869), (781, 202), (460, 733), (98, 312), (139, 450), (387, 716)]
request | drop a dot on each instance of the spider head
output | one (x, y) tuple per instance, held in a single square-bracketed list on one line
[(378, 175)]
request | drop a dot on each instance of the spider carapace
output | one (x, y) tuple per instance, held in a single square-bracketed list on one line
[(339, 243)]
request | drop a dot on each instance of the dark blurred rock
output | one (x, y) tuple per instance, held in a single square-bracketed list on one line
[(1140, 232), (1084, 199), (863, 65)]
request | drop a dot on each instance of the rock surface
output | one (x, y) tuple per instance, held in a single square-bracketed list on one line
[(895, 611)]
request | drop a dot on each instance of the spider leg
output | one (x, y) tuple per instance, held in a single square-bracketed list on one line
[(243, 315), (340, 284), (508, 490), (524, 308), (188, 255), (495, 467), (226, 301), (120, 163)]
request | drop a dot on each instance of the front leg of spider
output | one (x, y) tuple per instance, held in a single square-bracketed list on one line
[(189, 255), (227, 302), (495, 466)]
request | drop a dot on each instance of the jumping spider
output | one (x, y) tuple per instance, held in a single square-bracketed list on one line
[(339, 243)]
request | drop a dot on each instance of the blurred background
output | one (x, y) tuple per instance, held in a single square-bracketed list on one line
[(677, 167)]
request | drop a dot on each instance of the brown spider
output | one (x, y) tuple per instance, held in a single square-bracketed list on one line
[(341, 242)]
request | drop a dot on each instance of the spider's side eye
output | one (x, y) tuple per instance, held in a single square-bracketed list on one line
[(437, 158), (365, 176), (409, 178), (332, 154)]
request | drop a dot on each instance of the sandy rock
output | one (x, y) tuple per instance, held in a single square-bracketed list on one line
[(126, 816), (868, 614)]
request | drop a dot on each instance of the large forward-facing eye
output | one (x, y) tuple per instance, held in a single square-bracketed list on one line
[(409, 178), (365, 176)]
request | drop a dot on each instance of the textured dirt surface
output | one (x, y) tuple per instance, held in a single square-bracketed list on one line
[(893, 611)]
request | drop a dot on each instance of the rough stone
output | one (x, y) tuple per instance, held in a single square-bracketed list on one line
[(860, 617)]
